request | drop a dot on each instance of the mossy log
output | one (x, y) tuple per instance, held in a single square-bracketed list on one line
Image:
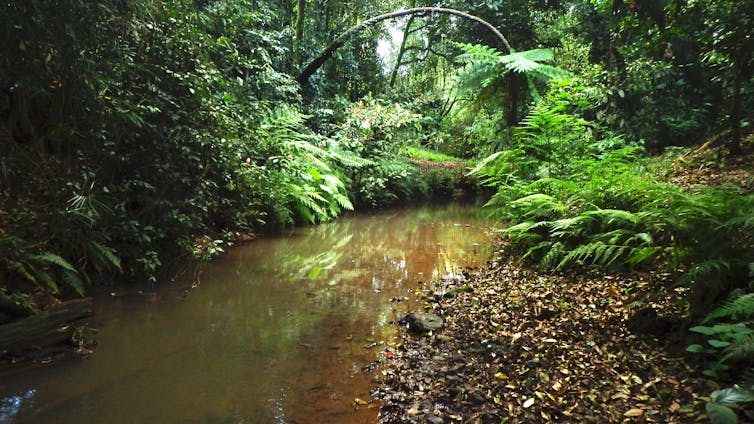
[(49, 327)]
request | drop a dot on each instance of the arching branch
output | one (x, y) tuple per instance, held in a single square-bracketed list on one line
[(315, 64)]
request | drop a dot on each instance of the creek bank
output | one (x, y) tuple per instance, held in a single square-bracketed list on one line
[(525, 347)]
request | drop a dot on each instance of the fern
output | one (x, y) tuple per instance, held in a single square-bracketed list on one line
[(484, 65), (537, 206), (102, 257), (705, 270), (739, 308), (54, 259), (73, 280), (555, 254), (595, 253), (739, 349)]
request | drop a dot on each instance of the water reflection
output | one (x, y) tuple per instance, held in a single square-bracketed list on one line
[(11, 405), (278, 330)]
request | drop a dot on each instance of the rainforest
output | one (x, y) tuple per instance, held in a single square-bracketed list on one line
[(502, 211)]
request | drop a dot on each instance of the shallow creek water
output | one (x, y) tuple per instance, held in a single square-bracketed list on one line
[(277, 330)]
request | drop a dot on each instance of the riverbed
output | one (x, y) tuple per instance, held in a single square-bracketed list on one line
[(278, 330)]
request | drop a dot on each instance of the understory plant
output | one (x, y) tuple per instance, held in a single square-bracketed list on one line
[(729, 344), (378, 133)]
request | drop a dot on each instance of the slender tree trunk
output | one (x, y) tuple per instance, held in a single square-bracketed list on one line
[(735, 117), (298, 45), (315, 64), (513, 94), (401, 51)]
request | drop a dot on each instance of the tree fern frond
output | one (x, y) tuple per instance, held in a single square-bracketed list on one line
[(736, 309)]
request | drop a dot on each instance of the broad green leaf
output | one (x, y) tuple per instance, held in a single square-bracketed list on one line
[(719, 414), (696, 348), (731, 396), (718, 343)]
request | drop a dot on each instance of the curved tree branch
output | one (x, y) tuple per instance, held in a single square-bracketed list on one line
[(315, 64)]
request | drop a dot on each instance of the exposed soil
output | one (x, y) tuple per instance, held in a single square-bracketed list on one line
[(428, 165), (712, 166)]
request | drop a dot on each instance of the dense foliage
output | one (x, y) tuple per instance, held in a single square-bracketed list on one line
[(137, 134)]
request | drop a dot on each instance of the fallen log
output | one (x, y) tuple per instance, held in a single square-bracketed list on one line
[(49, 327)]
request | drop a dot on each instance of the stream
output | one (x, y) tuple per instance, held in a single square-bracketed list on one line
[(278, 330)]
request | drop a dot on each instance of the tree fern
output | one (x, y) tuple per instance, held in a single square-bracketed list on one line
[(484, 65)]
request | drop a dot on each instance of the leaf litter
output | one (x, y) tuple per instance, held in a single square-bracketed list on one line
[(525, 347)]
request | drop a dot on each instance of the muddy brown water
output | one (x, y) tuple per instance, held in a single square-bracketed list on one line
[(279, 330)]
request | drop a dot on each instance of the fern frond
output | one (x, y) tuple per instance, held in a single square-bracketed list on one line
[(596, 253), (74, 281), (705, 270), (51, 258), (343, 201), (569, 227), (537, 206), (103, 256), (736, 309), (553, 256), (739, 349), (484, 163), (613, 217), (36, 274)]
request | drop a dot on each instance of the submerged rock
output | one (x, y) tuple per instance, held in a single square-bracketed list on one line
[(422, 322)]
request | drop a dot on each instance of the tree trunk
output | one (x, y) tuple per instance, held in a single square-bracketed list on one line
[(734, 148), (513, 98), (401, 51), (47, 328), (298, 45), (315, 64)]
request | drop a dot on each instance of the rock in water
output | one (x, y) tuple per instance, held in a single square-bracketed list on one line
[(422, 322)]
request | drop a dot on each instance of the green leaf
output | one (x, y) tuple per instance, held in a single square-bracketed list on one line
[(731, 396), (719, 414), (718, 343), (314, 272), (73, 280), (54, 259), (696, 348), (707, 331)]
